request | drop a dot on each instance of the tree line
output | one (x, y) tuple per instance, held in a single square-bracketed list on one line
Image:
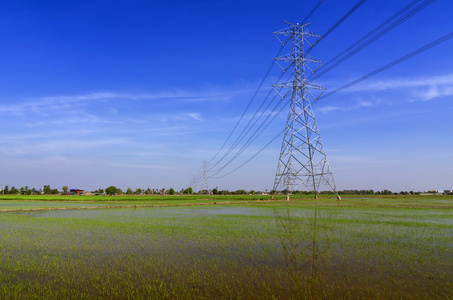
[(112, 190), (29, 191)]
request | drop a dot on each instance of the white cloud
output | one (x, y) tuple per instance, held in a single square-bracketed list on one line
[(357, 105), (43, 105), (417, 89), (195, 116), (22, 147), (181, 117), (422, 88), (62, 103), (436, 92), (78, 119)]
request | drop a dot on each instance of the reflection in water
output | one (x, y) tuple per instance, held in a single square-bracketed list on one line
[(306, 247)]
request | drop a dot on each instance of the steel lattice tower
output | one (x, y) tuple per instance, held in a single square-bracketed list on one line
[(204, 182), (302, 160)]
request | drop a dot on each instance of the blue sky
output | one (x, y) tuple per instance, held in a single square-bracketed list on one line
[(139, 93)]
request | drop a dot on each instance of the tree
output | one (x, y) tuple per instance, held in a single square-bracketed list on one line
[(47, 190), (65, 189), (111, 190), (129, 191), (189, 190), (171, 191), (215, 191), (138, 191), (13, 191)]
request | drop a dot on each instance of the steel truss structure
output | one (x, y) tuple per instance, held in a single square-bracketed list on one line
[(204, 182), (302, 160)]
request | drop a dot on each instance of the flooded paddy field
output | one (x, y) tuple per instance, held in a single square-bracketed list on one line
[(280, 249)]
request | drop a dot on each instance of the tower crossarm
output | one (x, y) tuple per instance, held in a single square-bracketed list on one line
[(294, 29), (290, 57), (304, 84)]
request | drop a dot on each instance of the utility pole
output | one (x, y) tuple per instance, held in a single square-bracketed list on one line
[(302, 160)]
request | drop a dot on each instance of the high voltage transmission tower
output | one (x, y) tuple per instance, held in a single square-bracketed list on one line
[(204, 182), (302, 160)]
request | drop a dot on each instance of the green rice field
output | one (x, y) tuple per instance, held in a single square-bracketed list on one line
[(224, 247)]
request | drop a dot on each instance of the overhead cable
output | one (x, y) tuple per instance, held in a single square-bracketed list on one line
[(371, 37), (389, 65), (253, 156), (312, 11), (247, 128), (248, 106), (253, 137), (341, 20)]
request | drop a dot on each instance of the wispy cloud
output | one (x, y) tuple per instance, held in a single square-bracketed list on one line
[(422, 88), (67, 120), (416, 88), (66, 102), (181, 117), (22, 147), (83, 144), (359, 104), (43, 104)]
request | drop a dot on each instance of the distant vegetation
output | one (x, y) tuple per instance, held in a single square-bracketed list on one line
[(112, 190)]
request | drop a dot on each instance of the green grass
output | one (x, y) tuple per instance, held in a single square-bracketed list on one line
[(98, 198), (399, 248), (14, 202)]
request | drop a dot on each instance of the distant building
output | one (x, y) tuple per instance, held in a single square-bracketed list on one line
[(76, 192), (438, 192)]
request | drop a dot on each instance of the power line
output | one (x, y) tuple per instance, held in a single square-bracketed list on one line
[(389, 65), (381, 69), (252, 138), (312, 11), (369, 38), (248, 106), (257, 132), (330, 30), (241, 135), (247, 128), (341, 20), (375, 72), (252, 157)]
